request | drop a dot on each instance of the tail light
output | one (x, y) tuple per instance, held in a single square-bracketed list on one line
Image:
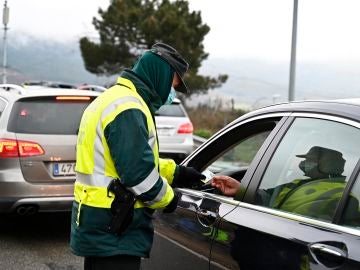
[(185, 128), (15, 148)]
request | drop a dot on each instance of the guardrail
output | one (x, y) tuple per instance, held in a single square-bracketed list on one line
[(198, 141)]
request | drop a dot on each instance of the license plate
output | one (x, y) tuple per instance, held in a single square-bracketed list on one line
[(165, 131), (64, 169)]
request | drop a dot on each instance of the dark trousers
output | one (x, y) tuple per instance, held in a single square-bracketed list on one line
[(118, 262)]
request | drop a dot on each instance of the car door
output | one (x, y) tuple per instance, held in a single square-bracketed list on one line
[(235, 152), (321, 229)]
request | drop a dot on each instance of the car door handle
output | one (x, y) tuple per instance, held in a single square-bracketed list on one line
[(330, 250), (206, 218), (205, 213)]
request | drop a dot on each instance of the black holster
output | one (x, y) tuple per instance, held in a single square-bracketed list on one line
[(122, 207)]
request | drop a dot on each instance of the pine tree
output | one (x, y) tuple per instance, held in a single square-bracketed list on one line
[(128, 27)]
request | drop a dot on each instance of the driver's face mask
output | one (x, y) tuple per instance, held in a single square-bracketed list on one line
[(171, 96), (307, 166)]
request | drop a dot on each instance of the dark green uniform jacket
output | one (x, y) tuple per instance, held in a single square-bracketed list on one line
[(129, 151)]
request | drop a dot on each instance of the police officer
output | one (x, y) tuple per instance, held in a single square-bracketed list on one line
[(117, 140)]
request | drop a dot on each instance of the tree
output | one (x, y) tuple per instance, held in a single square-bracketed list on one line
[(128, 27)]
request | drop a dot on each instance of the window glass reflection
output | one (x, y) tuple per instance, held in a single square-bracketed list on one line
[(310, 168)]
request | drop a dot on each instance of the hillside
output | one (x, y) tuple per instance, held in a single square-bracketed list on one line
[(258, 83), (252, 82), (45, 60)]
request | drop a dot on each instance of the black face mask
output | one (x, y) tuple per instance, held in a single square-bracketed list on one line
[(308, 166)]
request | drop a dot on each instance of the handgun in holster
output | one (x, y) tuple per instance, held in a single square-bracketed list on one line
[(122, 207)]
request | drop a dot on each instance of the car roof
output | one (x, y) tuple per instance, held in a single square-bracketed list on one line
[(41, 91), (348, 108), (51, 84)]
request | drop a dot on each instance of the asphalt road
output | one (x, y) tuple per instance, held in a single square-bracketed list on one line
[(166, 254), (41, 242)]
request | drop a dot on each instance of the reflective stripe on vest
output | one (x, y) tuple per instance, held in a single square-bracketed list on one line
[(98, 197)]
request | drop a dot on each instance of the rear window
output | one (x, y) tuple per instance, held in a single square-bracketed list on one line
[(2, 106), (171, 110), (47, 116)]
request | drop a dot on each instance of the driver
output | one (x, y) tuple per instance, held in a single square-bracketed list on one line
[(315, 195)]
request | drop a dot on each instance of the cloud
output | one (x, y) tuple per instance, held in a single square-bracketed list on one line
[(59, 20), (327, 29)]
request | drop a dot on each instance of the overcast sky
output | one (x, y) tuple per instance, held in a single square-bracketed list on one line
[(327, 29)]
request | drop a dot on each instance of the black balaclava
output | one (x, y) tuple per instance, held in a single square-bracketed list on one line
[(154, 80)]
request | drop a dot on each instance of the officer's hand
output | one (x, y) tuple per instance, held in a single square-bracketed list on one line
[(188, 177), (171, 207)]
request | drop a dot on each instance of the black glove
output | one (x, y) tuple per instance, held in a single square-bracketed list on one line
[(188, 177), (171, 207)]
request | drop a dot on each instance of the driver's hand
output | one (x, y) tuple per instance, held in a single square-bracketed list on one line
[(226, 184)]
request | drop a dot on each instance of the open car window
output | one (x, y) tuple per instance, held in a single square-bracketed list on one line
[(239, 156), (233, 151)]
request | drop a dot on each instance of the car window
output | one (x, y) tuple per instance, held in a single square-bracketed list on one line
[(174, 110), (233, 149), (310, 168), (46, 116), (239, 155), (351, 215)]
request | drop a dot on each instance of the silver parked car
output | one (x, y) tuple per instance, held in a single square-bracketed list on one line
[(38, 131), (175, 131)]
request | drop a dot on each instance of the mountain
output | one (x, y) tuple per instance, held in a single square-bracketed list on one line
[(259, 82), (252, 82), (38, 59)]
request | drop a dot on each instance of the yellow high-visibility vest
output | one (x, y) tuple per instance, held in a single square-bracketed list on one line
[(94, 165)]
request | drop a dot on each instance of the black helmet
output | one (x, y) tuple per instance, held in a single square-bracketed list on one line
[(175, 60)]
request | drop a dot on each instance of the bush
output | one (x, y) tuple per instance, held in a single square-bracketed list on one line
[(204, 133), (212, 116)]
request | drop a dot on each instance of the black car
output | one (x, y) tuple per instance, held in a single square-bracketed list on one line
[(283, 216)]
